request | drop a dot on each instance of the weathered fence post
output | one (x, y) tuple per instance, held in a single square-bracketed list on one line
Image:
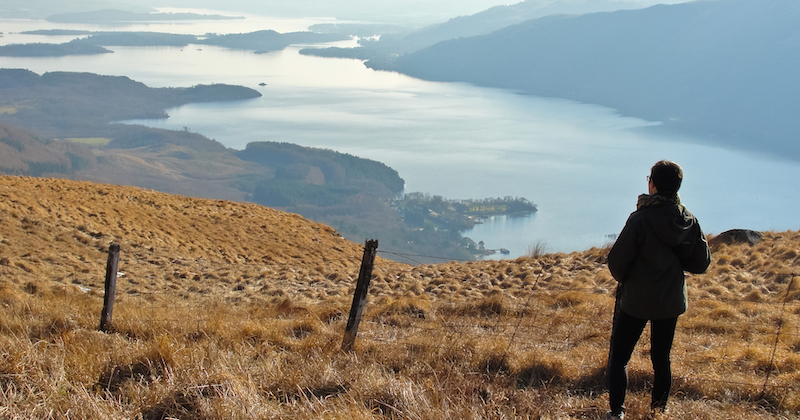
[(111, 287), (360, 296)]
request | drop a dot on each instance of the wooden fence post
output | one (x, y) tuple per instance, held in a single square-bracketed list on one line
[(360, 296), (111, 287)]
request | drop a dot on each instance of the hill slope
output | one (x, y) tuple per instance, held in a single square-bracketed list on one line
[(56, 230), (722, 69), (227, 310), (60, 230)]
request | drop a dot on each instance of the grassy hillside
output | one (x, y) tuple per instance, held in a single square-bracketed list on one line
[(235, 311), (353, 194)]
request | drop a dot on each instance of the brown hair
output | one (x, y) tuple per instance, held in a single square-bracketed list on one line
[(666, 176)]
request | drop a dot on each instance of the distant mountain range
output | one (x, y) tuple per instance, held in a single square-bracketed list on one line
[(495, 18), (386, 11), (115, 15), (725, 70)]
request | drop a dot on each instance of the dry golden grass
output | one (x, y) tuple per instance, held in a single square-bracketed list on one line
[(235, 311)]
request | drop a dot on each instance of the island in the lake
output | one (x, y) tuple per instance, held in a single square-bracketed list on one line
[(260, 42)]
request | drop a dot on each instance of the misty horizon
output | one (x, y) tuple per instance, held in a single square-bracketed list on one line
[(415, 13)]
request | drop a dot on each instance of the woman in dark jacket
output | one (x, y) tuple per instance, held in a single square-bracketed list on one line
[(660, 241)]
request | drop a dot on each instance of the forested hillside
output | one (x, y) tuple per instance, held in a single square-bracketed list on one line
[(64, 104), (22, 154), (51, 50), (268, 40), (722, 70)]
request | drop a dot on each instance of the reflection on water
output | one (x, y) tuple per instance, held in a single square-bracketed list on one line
[(583, 165)]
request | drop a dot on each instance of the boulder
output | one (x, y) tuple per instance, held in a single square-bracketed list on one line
[(737, 236)]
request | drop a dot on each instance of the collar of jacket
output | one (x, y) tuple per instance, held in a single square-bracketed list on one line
[(646, 200)]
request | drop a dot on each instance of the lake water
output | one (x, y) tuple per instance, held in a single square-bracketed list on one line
[(582, 164)]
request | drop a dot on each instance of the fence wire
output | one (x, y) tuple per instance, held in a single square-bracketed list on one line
[(555, 327)]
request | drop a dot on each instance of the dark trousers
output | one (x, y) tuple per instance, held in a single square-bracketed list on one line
[(625, 333)]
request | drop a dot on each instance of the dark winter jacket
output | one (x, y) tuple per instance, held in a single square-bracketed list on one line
[(660, 240)]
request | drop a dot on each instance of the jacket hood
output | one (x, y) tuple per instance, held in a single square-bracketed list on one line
[(672, 223)]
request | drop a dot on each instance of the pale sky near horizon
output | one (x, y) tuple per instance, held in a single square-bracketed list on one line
[(419, 11)]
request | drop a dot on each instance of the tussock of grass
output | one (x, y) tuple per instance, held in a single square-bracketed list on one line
[(227, 310)]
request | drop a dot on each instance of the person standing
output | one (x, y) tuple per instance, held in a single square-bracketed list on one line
[(660, 240)]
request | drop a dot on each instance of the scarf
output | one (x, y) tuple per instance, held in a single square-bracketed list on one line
[(646, 200)]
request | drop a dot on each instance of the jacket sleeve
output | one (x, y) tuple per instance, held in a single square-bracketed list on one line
[(695, 255), (625, 249)]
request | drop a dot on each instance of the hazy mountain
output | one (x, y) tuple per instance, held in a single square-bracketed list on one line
[(114, 15), (422, 12), (417, 13), (402, 40), (499, 17), (722, 69), (40, 9), (411, 12)]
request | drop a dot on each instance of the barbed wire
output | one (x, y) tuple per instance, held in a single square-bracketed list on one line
[(505, 330), (561, 331), (533, 292)]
